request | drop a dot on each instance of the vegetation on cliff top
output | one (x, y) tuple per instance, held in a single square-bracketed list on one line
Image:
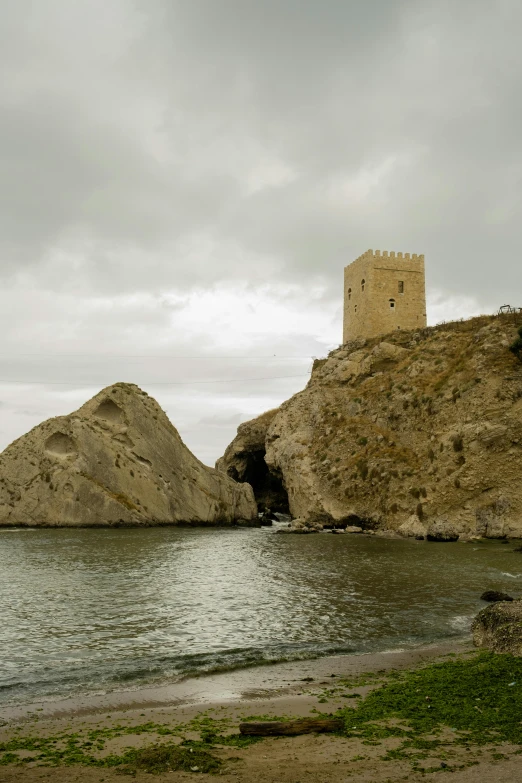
[(516, 346)]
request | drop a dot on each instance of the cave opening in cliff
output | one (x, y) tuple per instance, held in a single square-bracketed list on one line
[(357, 521), (268, 486)]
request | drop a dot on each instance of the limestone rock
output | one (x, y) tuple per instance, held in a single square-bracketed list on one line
[(302, 526), (118, 460), (382, 357), (244, 461), (250, 439), (499, 627), (412, 528), (442, 529), (417, 433)]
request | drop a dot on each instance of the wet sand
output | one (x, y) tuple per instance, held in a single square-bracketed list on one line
[(239, 685), (284, 689)]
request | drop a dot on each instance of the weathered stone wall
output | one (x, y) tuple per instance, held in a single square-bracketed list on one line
[(368, 311)]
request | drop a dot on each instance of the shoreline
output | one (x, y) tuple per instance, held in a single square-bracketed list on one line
[(235, 686), (179, 715)]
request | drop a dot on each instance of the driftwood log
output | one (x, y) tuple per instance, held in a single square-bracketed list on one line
[(289, 728)]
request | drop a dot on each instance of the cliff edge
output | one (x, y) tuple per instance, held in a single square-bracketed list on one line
[(419, 433), (117, 460)]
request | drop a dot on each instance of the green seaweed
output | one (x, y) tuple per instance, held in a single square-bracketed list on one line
[(478, 699), (157, 759), (463, 702), (479, 696), (82, 747)]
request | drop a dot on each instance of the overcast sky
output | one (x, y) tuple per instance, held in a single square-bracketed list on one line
[(183, 181)]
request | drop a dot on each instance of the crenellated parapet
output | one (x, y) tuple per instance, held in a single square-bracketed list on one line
[(370, 255)]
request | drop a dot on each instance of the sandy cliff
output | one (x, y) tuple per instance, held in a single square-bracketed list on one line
[(118, 460), (419, 433)]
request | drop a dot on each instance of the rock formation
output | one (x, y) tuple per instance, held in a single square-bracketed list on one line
[(499, 627), (495, 595), (419, 433), (244, 460), (118, 460)]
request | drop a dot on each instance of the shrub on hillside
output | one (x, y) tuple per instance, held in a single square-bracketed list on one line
[(516, 347)]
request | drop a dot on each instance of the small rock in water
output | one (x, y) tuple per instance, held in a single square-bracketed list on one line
[(495, 595)]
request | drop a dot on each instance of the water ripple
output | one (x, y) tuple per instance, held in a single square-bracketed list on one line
[(95, 609)]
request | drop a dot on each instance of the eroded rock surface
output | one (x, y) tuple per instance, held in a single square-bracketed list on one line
[(499, 627), (417, 434), (244, 460), (118, 460)]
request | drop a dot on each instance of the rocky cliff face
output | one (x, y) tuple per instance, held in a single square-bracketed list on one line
[(116, 461), (244, 460), (417, 433)]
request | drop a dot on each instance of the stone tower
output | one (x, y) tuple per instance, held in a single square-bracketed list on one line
[(383, 292)]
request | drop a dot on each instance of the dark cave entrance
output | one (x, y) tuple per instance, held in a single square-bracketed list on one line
[(268, 486)]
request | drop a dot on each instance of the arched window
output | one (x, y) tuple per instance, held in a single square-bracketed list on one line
[(392, 304), (363, 283), (349, 293)]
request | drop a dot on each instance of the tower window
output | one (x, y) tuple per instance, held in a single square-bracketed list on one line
[(355, 308), (392, 304), (349, 293), (401, 286), (363, 283)]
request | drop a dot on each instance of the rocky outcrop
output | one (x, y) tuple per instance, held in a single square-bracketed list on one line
[(499, 628), (118, 460), (244, 461), (418, 433)]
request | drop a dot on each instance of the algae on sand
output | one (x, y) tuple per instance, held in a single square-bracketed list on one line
[(157, 759), (478, 698)]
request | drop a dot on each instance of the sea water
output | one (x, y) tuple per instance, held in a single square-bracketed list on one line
[(90, 610)]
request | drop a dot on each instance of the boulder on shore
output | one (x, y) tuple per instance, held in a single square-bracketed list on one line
[(117, 460), (442, 529), (498, 627)]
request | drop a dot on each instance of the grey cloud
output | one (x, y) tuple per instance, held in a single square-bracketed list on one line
[(128, 137), (153, 151), (358, 85)]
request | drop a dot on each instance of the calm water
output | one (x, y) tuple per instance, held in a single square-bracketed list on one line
[(87, 610)]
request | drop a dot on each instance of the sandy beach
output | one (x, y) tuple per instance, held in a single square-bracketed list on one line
[(293, 689)]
